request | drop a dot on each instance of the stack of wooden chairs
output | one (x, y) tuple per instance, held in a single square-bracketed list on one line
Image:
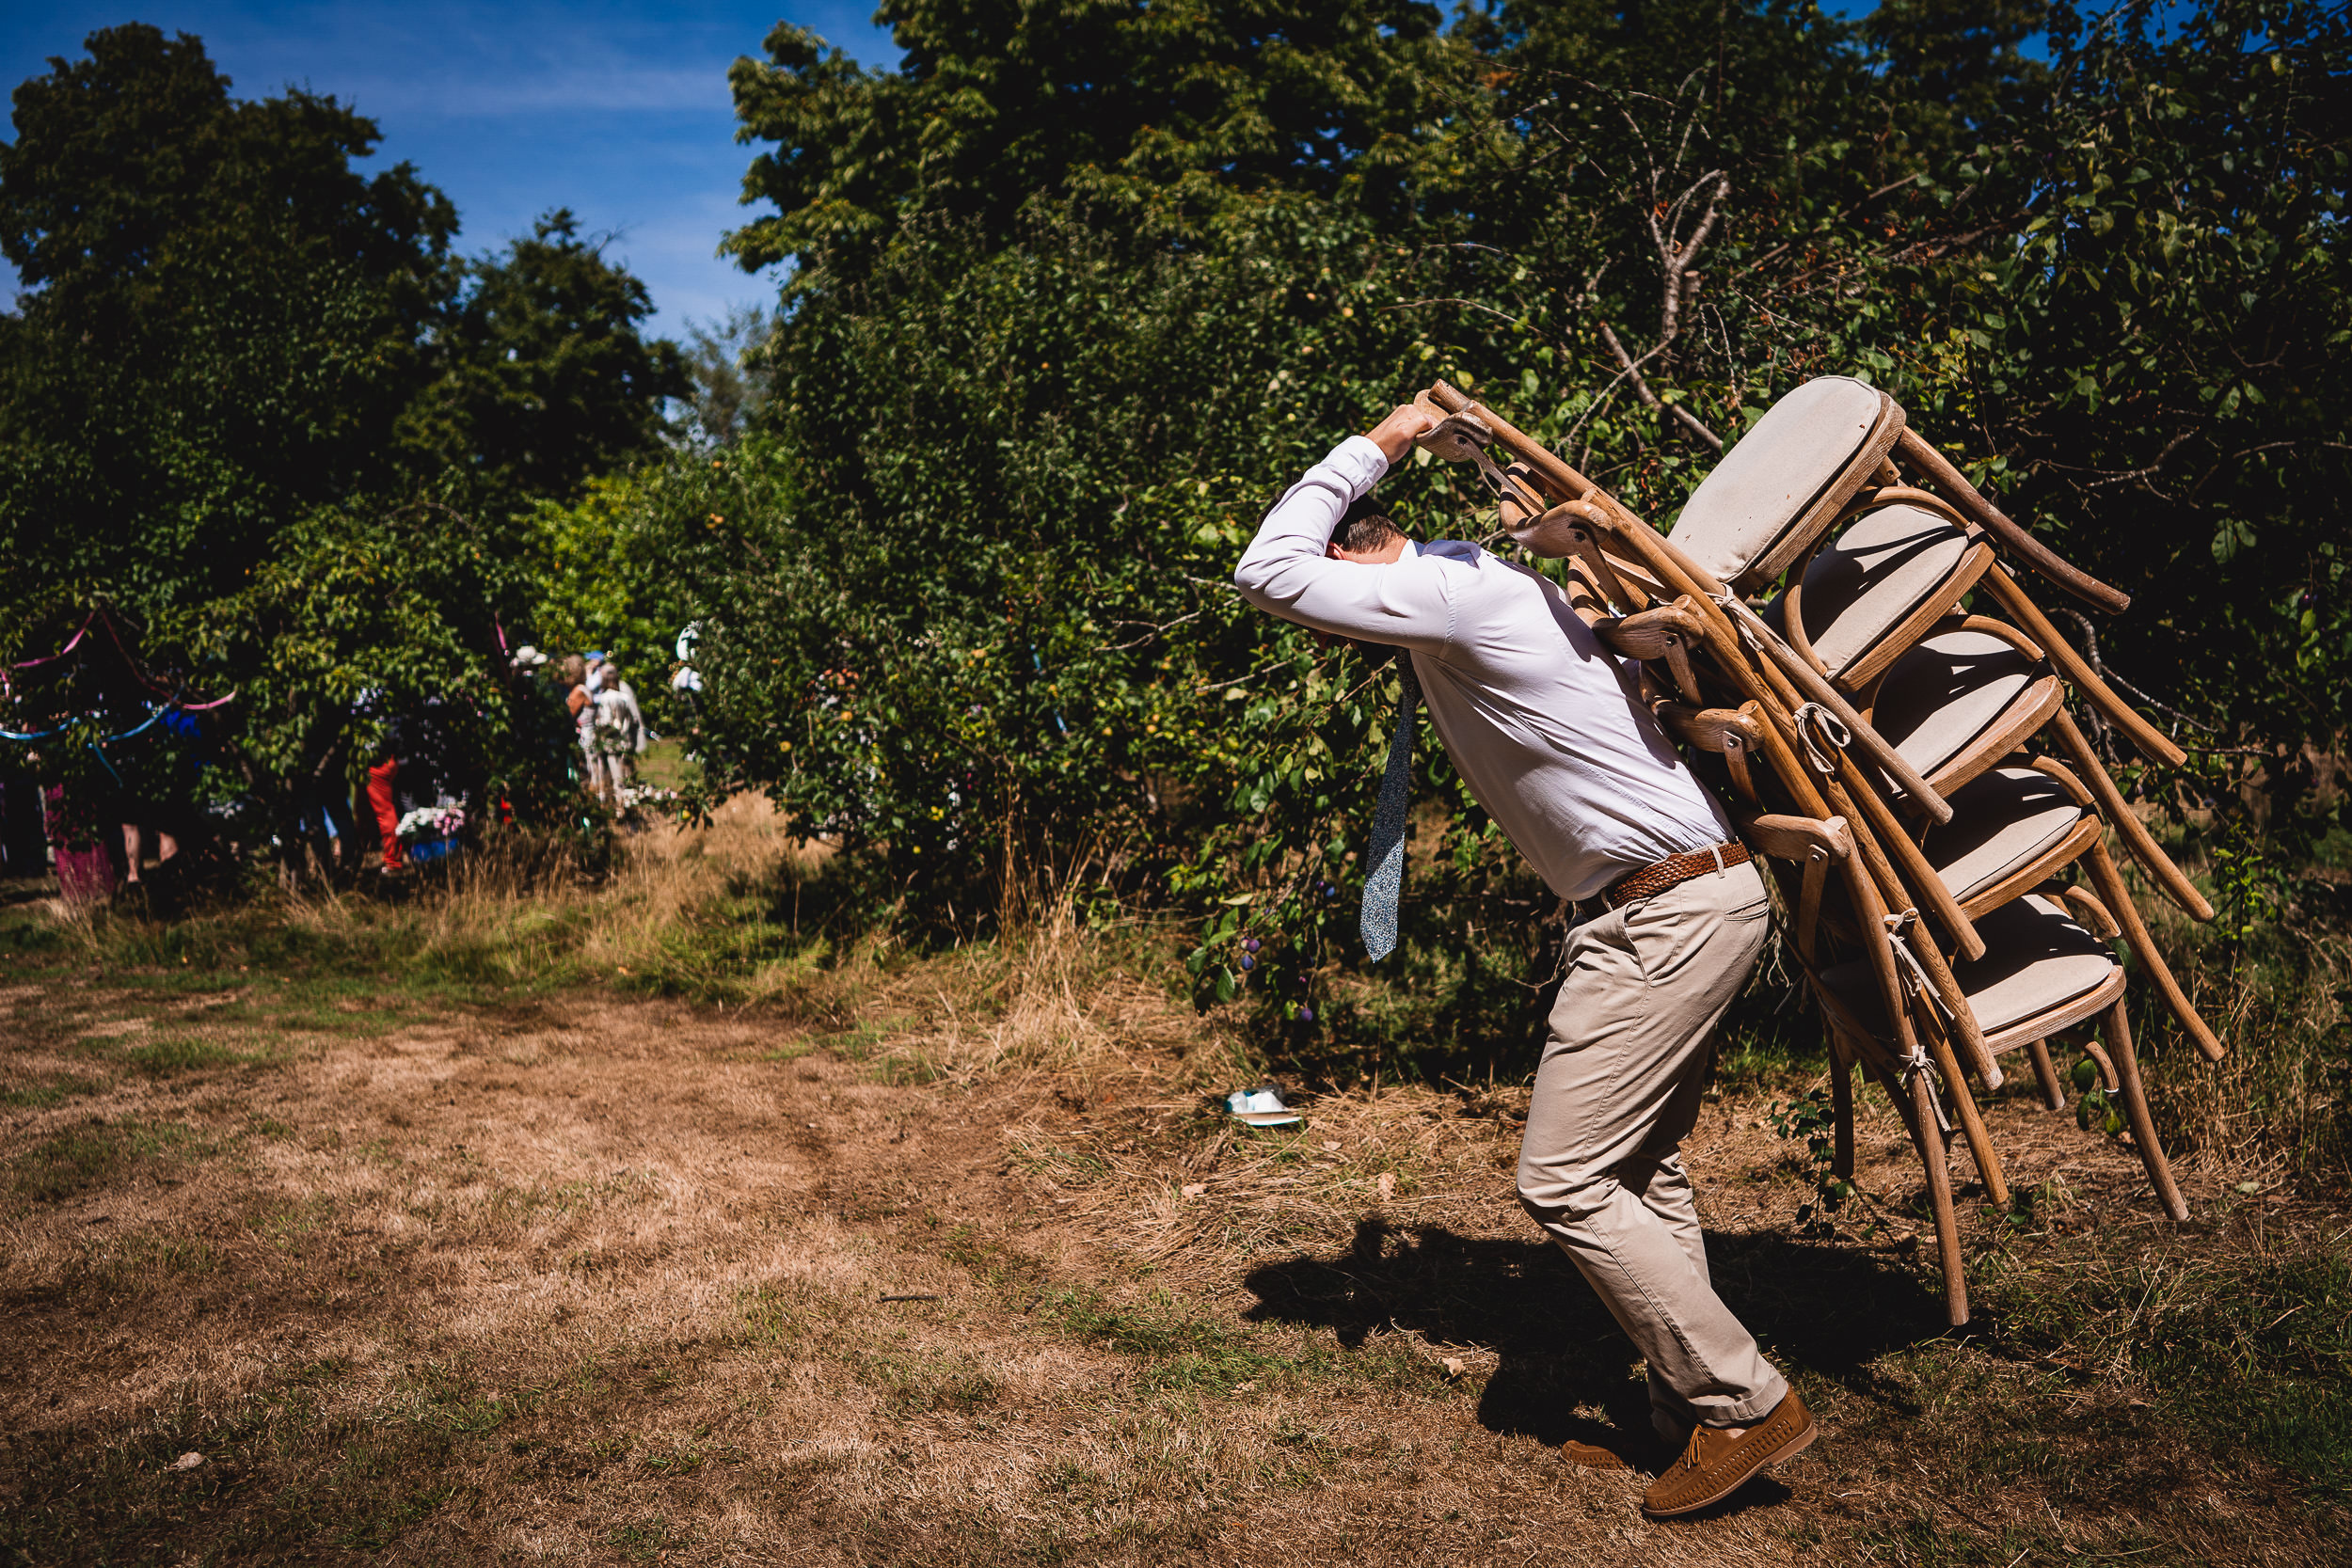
[(1937, 821)]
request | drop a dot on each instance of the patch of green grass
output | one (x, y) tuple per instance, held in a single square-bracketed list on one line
[(2265, 1360), (921, 1385), (2254, 1354), (55, 1089), (175, 1054), (854, 1044), (769, 1319), (990, 1262), (28, 933), (644, 1540), (1187, 1352), (363, 1479), (96, 1154)]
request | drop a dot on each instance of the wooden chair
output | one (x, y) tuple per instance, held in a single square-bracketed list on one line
[(1963, 698), (1898, 564), (1774, 492), (1969, 695), (2016, 828), (1810, 772), (2042, 972)]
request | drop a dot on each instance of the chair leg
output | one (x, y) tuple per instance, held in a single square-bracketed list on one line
[(2053, 1092), (1940, 1198), (1841, 1107), (2118, 812), (2118, 1029), (2110, 881), (2152, 743), (1971, 1125), (1918, 1106)]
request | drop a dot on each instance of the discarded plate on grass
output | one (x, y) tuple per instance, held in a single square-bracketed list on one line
[(1261, 1107)]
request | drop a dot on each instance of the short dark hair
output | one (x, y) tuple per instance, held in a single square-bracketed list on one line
[(1364, 528)]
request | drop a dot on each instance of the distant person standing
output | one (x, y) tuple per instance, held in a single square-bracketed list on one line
[(541, 729), (581, 701), (618, 735), (384, 773)]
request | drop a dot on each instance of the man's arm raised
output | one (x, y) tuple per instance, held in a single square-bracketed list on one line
[(1286, 571)]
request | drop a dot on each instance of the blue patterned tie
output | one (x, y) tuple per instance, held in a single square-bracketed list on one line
[(1385, 886)]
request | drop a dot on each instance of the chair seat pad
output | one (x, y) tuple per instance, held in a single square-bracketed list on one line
[(2035, 960), (1945, 692), (2035, 957), (1861, 585), (1772, 475), (2000, 824)]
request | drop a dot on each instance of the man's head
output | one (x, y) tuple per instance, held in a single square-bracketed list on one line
[(1366, 536)]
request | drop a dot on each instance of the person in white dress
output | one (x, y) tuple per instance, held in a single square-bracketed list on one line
[(619, 734)]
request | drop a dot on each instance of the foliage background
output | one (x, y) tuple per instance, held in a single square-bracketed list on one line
[(1071, 293), (256, 405), (1037, 374)]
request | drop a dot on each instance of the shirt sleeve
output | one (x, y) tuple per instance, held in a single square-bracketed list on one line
[(1286, 573)]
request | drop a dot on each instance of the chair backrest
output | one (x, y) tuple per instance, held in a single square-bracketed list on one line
[(1946, 691), (1862, 585), (2006, 822), (1783, 482)]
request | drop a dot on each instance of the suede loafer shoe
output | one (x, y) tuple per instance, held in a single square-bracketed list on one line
[(1717, 1464), (1591, 1456)]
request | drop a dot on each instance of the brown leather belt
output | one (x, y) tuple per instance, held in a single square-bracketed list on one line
[(1672, 872)]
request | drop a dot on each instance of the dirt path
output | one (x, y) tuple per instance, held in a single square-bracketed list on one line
[(618, 1281)]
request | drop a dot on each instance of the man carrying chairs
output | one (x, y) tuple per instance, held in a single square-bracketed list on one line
[(1547, 730), (1876, 737)]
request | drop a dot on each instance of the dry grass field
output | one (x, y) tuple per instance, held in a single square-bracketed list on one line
[(343, 1249)]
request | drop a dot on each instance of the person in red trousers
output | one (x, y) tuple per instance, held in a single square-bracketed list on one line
[(380, 779)]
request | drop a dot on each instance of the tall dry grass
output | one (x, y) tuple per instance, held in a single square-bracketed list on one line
[(736, 914)]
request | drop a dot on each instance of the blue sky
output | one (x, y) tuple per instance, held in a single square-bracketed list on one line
[(615, 109)]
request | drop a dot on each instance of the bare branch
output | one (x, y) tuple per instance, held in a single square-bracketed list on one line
[(2090, 655), (1674, 257), (1632, 371), (1691, 422), (1150, 631), (1632, 366), (2170, 448)]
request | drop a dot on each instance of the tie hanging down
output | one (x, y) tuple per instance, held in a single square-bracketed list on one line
[(1384, 886)]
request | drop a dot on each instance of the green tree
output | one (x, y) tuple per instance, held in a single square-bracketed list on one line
[(1954, 66), (1168, 114), (544, 377), (248, 399), (1036, 382), (728, 361), (2148, 352)]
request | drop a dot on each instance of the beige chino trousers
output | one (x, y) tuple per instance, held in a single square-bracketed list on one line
[(1617, 1091)]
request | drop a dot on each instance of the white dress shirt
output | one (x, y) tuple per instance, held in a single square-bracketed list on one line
[(1538, 718)]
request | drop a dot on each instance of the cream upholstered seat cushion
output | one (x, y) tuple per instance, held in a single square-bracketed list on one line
[(1772, 475), (1884, 565), (1946, 691), (2035, 960), (2000, 824)]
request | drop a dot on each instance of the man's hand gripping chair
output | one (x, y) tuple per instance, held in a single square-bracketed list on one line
[(1879, 742)]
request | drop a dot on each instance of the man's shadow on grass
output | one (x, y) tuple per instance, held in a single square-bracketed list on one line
[(1821, 1306)]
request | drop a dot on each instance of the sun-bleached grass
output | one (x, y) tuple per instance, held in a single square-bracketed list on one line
[(464, 1272), (437, 1252)]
